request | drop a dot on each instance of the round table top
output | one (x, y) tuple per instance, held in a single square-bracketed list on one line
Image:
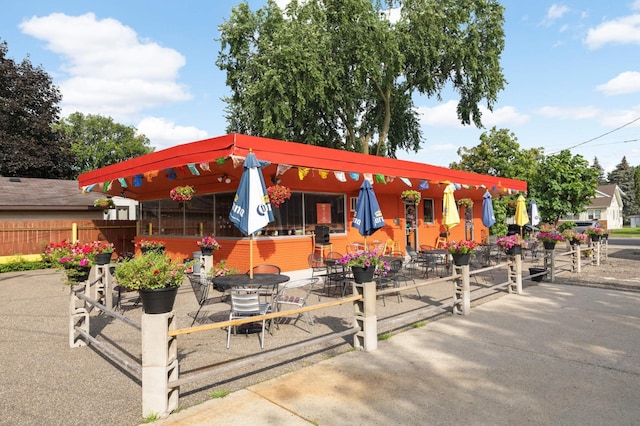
[(243, 280)]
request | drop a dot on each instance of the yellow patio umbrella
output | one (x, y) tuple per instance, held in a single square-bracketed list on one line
[(450, 216), (522, 218)]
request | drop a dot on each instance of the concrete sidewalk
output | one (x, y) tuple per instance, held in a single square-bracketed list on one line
[(554, 355)]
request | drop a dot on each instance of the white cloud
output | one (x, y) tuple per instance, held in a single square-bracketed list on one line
[(625, 83), (556, 12), (579, 113), (615, 119), (635, 5), (110, 69), (625, 30), (164, 133), (445, 115)]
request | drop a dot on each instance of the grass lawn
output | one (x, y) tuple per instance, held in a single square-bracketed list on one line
[(625, 232)]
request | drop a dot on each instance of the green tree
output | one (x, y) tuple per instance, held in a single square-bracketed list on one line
[(338, 73), (29, 147), (624, 176), (564, 184), (602, 180), (499, 154), (98, 141)]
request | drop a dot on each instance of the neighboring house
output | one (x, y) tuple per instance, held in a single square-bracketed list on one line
[(45, 199), (606, 208), (126, 209)]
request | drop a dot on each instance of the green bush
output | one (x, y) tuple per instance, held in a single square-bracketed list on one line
[(23, 265)]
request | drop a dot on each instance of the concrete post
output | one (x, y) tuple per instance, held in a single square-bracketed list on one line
[(365, 317), (597, 246), (515, 274), (159, 364), (206, 263), (461, 290), (103, 287), (550, 264), (78, 316)]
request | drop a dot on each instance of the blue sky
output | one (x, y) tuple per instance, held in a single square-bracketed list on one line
[(573, 70)]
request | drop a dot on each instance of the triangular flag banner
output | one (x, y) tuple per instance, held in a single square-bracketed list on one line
[(369, 177), (150, 175), (123, 182), (323, 173), (220, 162), (193, 169), (106, 186), (87, 189), (354, 175), (406, 181), (282, 168), (303, 172), (380, 179), (204, 166), (171, 175), (340, 176), (457, 186), (237, 161), (391, 178), (423, 184), (137, 180)]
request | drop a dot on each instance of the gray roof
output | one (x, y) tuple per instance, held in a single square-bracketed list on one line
[(44, 194)]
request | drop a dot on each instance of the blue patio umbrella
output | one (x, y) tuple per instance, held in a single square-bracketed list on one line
[(368, 218), (488, 217), (251, 209)]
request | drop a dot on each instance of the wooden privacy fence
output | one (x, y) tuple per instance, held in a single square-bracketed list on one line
[(30, 237), (159, 369)]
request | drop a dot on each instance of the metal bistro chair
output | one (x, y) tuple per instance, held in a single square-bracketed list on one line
[(336, 273), (295, 294), (244, 305), (383, 282)]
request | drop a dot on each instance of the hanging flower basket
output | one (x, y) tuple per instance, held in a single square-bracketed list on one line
[(278, 194), (104, 203), (466, 202), (410, 196), (182, 193)]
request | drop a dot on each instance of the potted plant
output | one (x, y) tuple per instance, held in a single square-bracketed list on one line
[(410, 196), (207, 245), (594, 232), (364, 264), (155, 276), (102, 251), (150, 245), (461, 251), (278, 194), (549, 236), (182, 193), (511, 244), (466, 202), (105, 203), (574, 237), (75, 259)]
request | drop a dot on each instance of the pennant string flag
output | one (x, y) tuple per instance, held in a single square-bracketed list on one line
[(204, 166), (137, 180), (423, 184), (323, 173), (282, 168), (406, 181), (369, 177), (340, 176), (303, 172), (354, 175), (380, 179), (193, 169), (107, 185), (123, 182)]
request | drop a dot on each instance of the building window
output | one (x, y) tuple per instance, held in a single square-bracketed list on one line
[(209, 215), (427, 210), (594, 214)]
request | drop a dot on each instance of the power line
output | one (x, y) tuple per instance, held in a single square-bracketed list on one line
[(600, 136)]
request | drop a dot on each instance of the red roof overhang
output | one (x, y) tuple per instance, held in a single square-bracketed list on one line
[(273, 151)]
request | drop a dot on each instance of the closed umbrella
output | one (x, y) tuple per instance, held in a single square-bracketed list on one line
[(368, 217), (251, 209), (488, 217), (521, 218), (450, 216), (535, 215)]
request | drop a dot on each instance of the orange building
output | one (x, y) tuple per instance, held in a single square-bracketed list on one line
[(324, 184)]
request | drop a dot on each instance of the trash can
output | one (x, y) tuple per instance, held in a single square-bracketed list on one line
[(196, 256)]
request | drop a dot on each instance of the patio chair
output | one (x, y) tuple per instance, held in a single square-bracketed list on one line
[(266, 268), (295, 294), (336, 273), (245, 305), (389, 280)]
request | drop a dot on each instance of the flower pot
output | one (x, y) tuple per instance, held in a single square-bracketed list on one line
[(460, 259), (549, 245), (362, 275), (595, 238), (513, 250), (103, 258), (206, 251), (144, 250), (574, 241), (533, 271), (78, 274), (158, 300)]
